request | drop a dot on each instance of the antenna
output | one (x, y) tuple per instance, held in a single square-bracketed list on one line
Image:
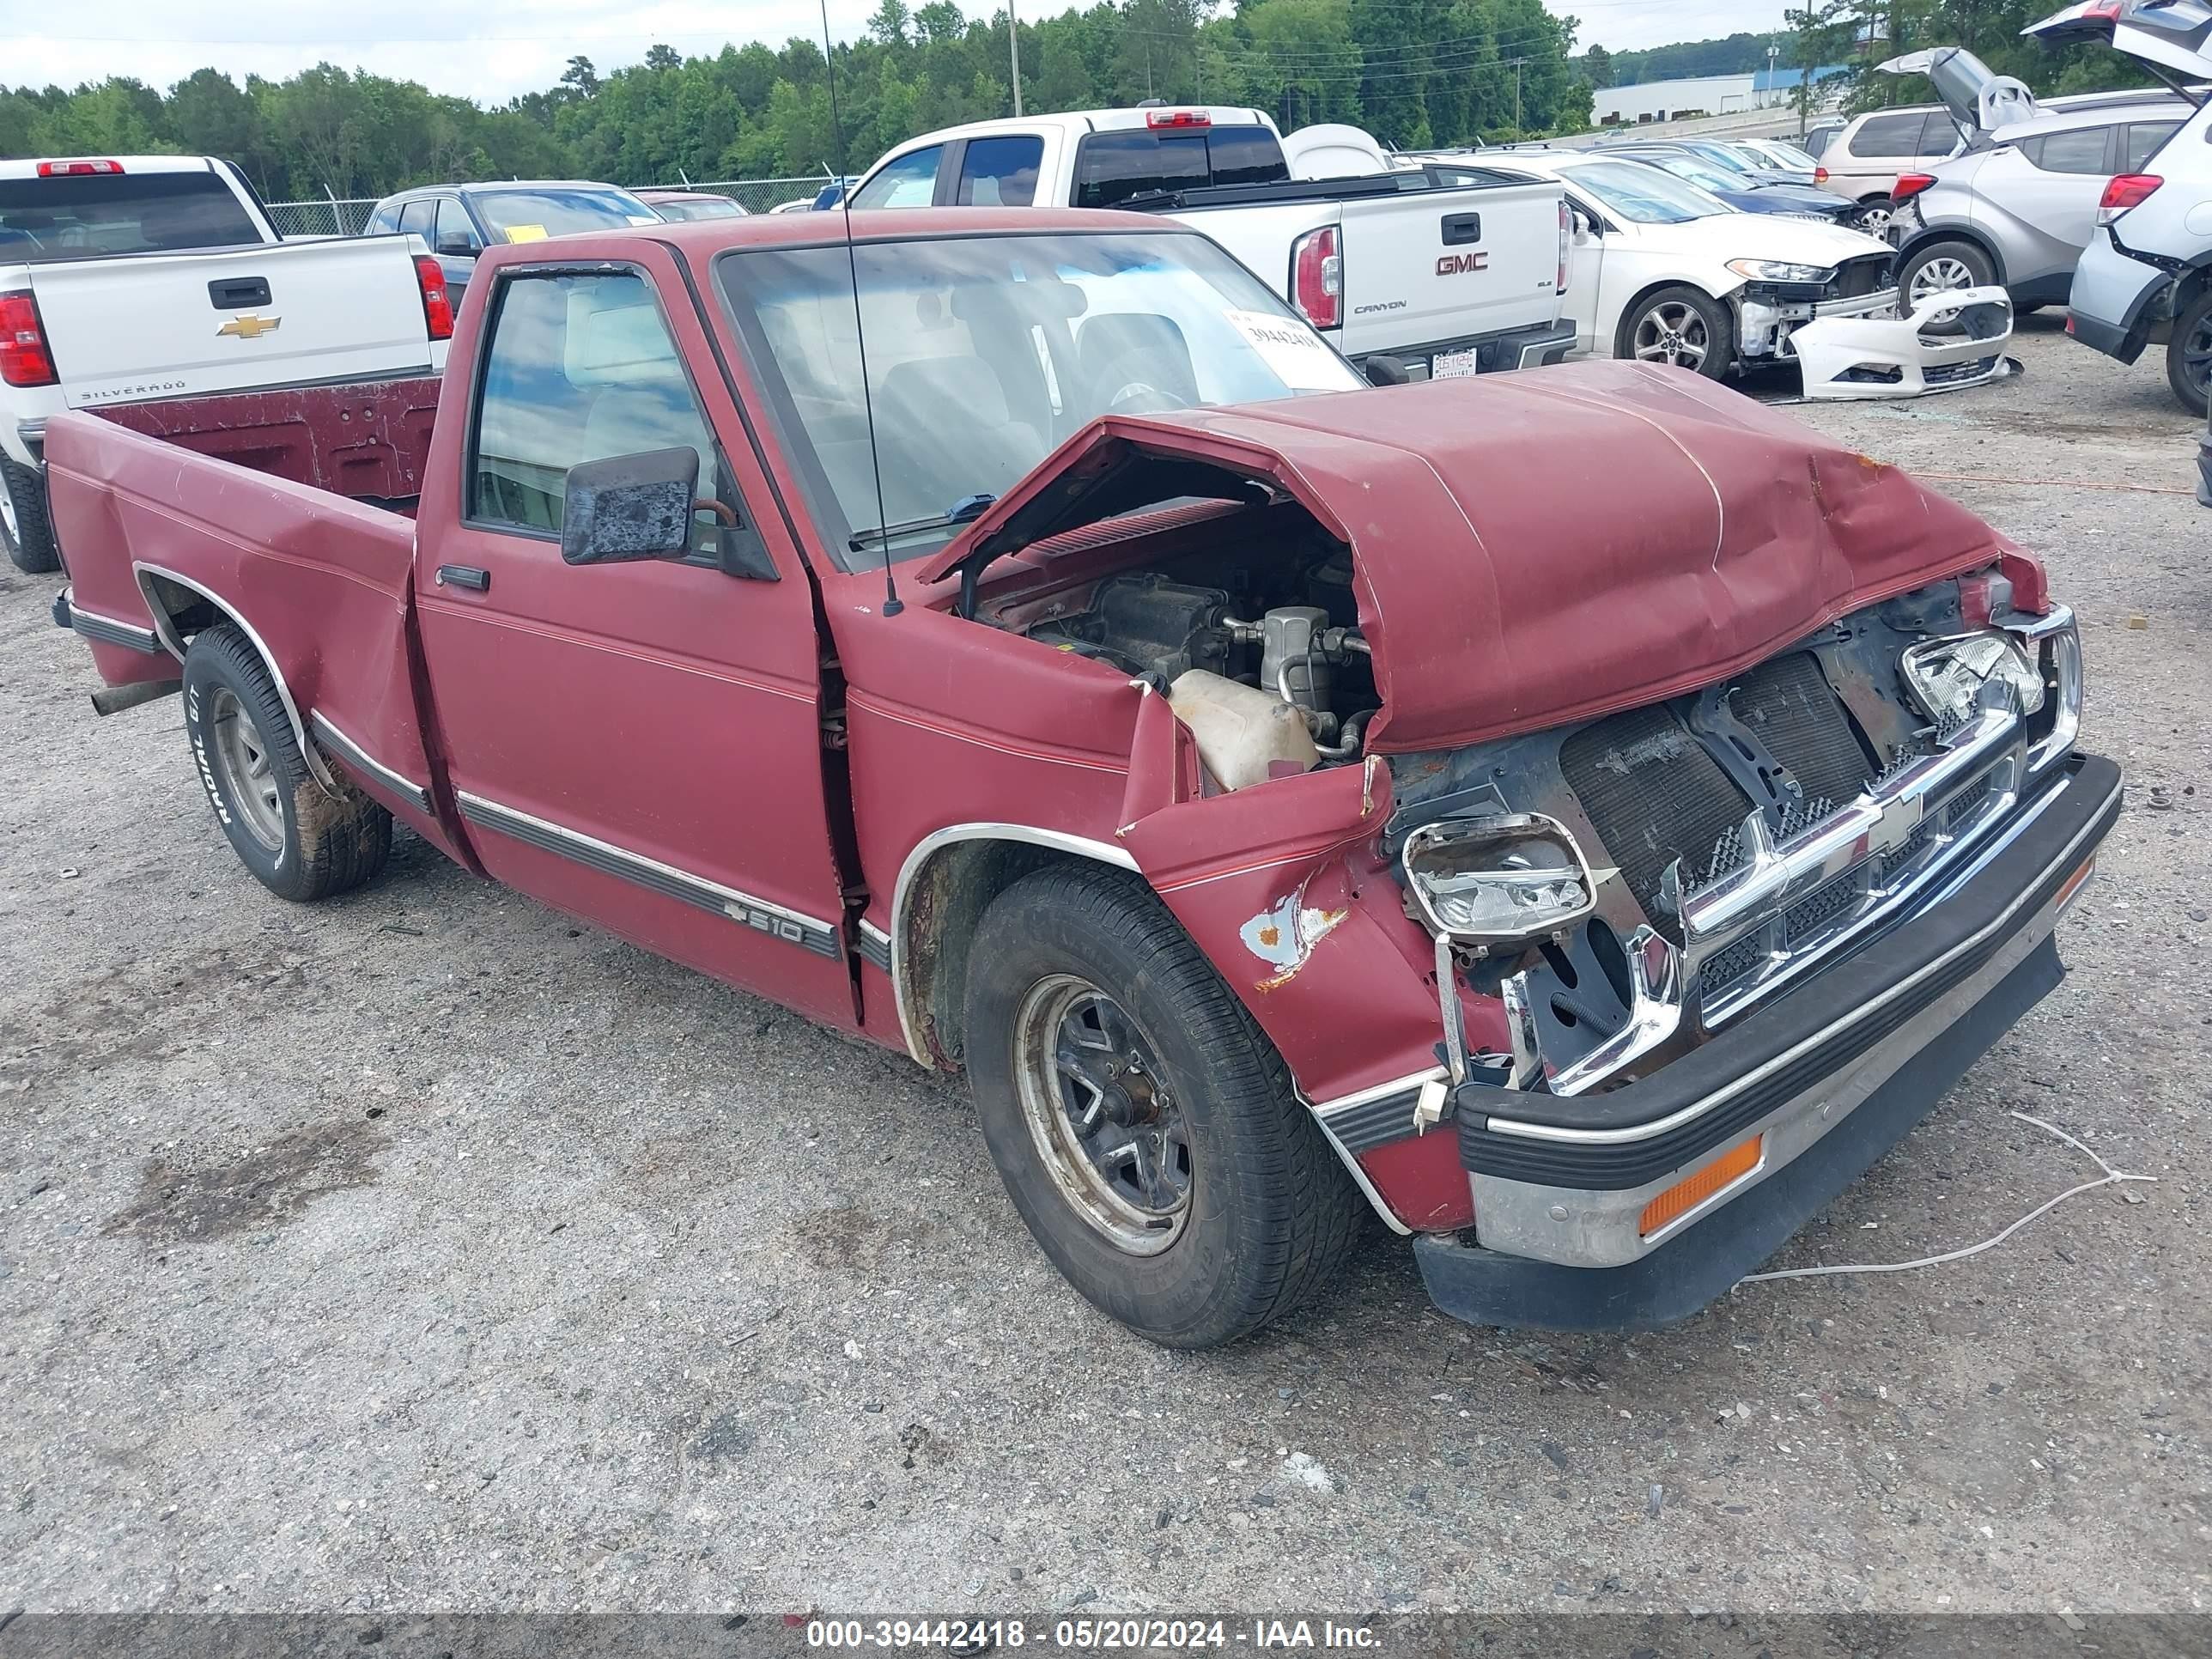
[(893, 604)]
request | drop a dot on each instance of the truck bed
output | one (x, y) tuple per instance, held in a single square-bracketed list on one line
[(367, 440), (222, 516)]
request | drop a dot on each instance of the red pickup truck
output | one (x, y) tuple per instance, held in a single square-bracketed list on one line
[(1584, 817)]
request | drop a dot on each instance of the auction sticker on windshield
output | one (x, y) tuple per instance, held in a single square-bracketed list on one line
[(525, 232), (1293, 351)]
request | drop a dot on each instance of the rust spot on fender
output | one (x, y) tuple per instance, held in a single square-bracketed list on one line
[(1284, 935)]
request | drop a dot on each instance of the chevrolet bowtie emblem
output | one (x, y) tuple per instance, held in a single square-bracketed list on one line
[(248, 327)]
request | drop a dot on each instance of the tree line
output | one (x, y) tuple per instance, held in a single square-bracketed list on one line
[(1415, 72)]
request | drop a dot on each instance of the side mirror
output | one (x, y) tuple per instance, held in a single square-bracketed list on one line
[(457, 244), (1383, 370), (1584, 227), (629, 507)]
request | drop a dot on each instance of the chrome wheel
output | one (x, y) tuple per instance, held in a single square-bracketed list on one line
[(1104, 1118), (1875, 220), (1673, 332), (2197, 357), (249, 780), (9, 527)]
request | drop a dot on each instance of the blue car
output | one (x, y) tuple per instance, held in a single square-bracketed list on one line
[(1739, 190)]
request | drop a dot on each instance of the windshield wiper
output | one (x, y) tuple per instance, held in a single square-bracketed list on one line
[(961, 512)]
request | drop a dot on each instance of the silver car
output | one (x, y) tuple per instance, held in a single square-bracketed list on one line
[(2017, 205), (2146, 275)]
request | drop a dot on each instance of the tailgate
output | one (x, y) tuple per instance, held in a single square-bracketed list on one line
[(1430, 267), (177, 325)]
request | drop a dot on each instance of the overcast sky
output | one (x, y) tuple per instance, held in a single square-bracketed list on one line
[(492, 49)]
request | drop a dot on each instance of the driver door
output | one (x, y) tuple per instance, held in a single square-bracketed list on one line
[(637, 744)]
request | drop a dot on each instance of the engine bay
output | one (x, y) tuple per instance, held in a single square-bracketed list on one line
[(1287, 630)]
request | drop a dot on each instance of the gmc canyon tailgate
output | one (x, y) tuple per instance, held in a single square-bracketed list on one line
[(1437, 267), (177, 325)]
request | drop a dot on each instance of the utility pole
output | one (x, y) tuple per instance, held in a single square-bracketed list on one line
[(1517, 95), (1014, 51)]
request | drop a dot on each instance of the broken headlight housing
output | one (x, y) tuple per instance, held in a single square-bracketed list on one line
[(1491, 880), (1948, 677)]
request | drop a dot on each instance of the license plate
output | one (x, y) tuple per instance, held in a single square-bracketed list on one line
[(1452, 365)]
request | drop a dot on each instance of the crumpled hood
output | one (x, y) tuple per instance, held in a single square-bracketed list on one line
[(1547, 546)]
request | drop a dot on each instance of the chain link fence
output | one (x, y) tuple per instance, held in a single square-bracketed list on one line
[(345, 215)]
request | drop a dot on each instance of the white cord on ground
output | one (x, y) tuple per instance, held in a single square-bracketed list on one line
[(2109, 1175)]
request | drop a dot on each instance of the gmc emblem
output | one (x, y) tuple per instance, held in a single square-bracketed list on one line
[(1452, 265)]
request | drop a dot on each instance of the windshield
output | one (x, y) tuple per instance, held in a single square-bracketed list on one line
[(985, 353), (1643, 195), (1788, 154), (1689, 167), (84, 216), (531, 216), (1727, 161)]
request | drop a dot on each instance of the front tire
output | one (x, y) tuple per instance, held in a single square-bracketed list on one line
[(1681, 326), (1146, 1129), (25, 530), (301, 842), (2188, 355)]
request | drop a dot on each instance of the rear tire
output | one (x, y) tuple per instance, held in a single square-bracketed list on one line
[(1188, 1193), (2188, 355), (25, 530), (1681, 326), (1938, 267), (302, 842)]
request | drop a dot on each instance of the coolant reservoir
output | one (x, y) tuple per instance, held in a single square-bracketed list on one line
[(1241, 730)]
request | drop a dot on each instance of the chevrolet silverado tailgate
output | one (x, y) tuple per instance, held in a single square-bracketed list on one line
[(177, 325)]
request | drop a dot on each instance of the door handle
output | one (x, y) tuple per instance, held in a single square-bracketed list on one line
[(1461, 227), (464, 575), (236, 292)]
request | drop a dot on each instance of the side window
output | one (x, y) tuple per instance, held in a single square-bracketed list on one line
[(1939, 137), (453, 221), (382, 223), (2085, 150), (580, 368), (414, 217), (2142, 141), (1887, 135), (1000, 171), (908, 182)]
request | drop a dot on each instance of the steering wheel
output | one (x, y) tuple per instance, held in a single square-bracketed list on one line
[(1143, 397)]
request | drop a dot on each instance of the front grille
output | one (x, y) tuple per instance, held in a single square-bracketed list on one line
[(1654, 795), (1947, 373), (1725, 967), (1968, 801), (1809, 914), (1788, 703)]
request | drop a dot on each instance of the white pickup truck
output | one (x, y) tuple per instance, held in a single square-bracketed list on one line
[(1448, 271), (153, 278)]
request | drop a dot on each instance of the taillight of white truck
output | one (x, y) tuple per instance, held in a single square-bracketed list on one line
[(1566, 236), (25, 358), (1318, 277)]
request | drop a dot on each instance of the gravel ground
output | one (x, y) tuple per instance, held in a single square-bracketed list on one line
[(421, 1250)]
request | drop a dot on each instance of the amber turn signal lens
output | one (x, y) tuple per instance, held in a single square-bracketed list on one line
[(2075, 883), (1691, 1191)]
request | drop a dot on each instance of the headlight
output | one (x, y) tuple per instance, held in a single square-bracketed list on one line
[(1487, 880), (1946, 676), (1779, 270)]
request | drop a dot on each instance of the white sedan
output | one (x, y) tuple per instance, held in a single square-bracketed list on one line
[(1663, 271)]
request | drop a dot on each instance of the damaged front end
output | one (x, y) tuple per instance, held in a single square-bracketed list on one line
[(1616, 881)]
